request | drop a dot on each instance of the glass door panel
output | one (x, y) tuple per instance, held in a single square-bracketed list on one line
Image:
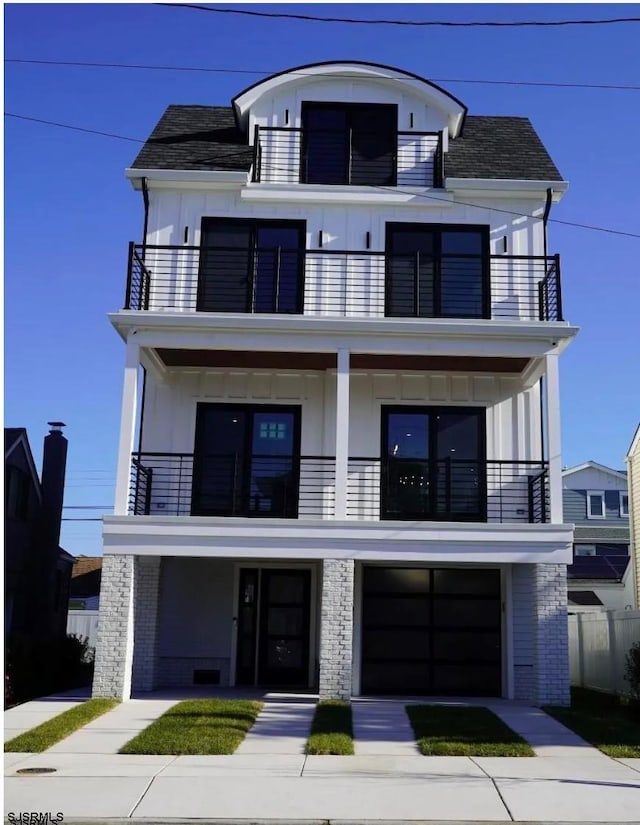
[(247, 628), (273, 470), (225, 260), (460, 472), (407, 465), (284, 627), (219, 461), (411, 273), (278, 269)]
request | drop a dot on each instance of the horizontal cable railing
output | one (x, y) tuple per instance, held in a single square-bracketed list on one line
[(406, 489), (402, 489), (343, 283), (230, 484), (282, 155)]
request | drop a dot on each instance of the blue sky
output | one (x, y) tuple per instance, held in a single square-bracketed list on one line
[(70, 212)]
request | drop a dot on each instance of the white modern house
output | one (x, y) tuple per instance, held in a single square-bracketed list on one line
[(339, 464)]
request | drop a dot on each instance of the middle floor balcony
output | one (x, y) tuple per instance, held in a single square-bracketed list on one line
[(351, 284), (303, 487)]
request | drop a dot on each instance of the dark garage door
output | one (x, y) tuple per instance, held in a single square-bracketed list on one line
[(432, 631)]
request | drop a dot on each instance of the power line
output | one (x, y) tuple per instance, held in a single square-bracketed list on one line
[(418, 23), (75, 128), (87, 507), (576, 224), (221, 70)]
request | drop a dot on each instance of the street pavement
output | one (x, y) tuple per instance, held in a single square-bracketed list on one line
[(270, 778)]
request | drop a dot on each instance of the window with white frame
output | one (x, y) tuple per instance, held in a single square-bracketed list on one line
[(584, 550), (595, 504), (624, 505)]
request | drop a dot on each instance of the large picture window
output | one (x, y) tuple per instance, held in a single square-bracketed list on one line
[(349, 143), (251, 266), (437, 271)]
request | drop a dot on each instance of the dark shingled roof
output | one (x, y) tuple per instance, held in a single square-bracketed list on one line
[(207, 138), (506, 148), (196, 137), (11, 435)]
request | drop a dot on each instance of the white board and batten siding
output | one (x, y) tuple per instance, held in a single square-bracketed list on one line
[(512, 422)]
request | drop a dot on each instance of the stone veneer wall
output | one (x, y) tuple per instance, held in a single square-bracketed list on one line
[(114, 648), (540, 633), (336, 629)]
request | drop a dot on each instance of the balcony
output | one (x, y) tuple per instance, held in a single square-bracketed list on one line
[(284, 155), (343, 283), (447, 490)]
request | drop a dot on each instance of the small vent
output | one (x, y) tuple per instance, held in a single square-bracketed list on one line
[(36, 770), (206, 677)]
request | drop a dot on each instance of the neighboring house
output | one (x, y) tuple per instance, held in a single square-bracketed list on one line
[(596, 500), (84, 593), (347, 314), (633, 471), (37, 569)]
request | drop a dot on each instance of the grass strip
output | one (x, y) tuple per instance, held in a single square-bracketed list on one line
[(331, 730), (48, 733), (462, 731), (198, 727), (604, 720)]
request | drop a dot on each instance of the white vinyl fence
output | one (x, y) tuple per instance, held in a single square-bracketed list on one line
[(598, 645), (83, 623)]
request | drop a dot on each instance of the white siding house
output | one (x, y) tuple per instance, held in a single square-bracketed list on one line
[(340, 467)]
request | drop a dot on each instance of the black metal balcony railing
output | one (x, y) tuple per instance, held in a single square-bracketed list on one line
[(343, 283), (181, 484), (280, 157)]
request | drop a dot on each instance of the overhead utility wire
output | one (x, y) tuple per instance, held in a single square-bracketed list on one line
[(216, 70), (384, 189), (418, 23)]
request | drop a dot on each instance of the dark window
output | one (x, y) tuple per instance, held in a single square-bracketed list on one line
[(16, 493), (246, 461), (349, 143), (251, 266), (433, 463), (436, 271)]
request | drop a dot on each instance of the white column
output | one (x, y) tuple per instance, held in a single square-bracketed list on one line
[(342, 433), (553, 437), (127, 426)]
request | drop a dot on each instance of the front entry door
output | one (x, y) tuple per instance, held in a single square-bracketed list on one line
[(273, 627)]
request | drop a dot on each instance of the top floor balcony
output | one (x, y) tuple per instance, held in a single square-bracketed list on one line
[(358, 153), (357, 284)]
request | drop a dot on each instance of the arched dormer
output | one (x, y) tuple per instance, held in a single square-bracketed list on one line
[(348, 122)]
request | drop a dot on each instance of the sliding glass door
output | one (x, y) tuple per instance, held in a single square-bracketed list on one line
[(433, 463), (246, 461)]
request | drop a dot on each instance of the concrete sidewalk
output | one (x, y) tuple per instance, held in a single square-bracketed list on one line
[(270, 778), (31, 714)]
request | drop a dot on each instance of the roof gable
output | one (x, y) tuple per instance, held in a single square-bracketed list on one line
[(16, 438), (593, 465)]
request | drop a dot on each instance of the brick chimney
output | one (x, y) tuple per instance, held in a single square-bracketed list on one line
[(54, 465)]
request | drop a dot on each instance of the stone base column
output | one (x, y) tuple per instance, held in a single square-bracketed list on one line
[(114, 648), (336, 629), (552, 634), (540, 633), (146, 598)]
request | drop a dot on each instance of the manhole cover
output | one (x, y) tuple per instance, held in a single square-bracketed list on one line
[(36, 770)]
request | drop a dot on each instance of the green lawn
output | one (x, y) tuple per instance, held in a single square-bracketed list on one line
[(197, 726), (606, 721), (331, 731), (44, 736), (462, 731)]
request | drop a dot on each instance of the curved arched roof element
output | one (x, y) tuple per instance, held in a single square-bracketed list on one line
[(433, 94)]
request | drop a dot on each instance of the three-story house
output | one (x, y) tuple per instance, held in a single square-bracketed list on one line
[(339, 468)]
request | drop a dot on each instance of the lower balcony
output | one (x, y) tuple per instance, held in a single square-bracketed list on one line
[(303, 487)]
